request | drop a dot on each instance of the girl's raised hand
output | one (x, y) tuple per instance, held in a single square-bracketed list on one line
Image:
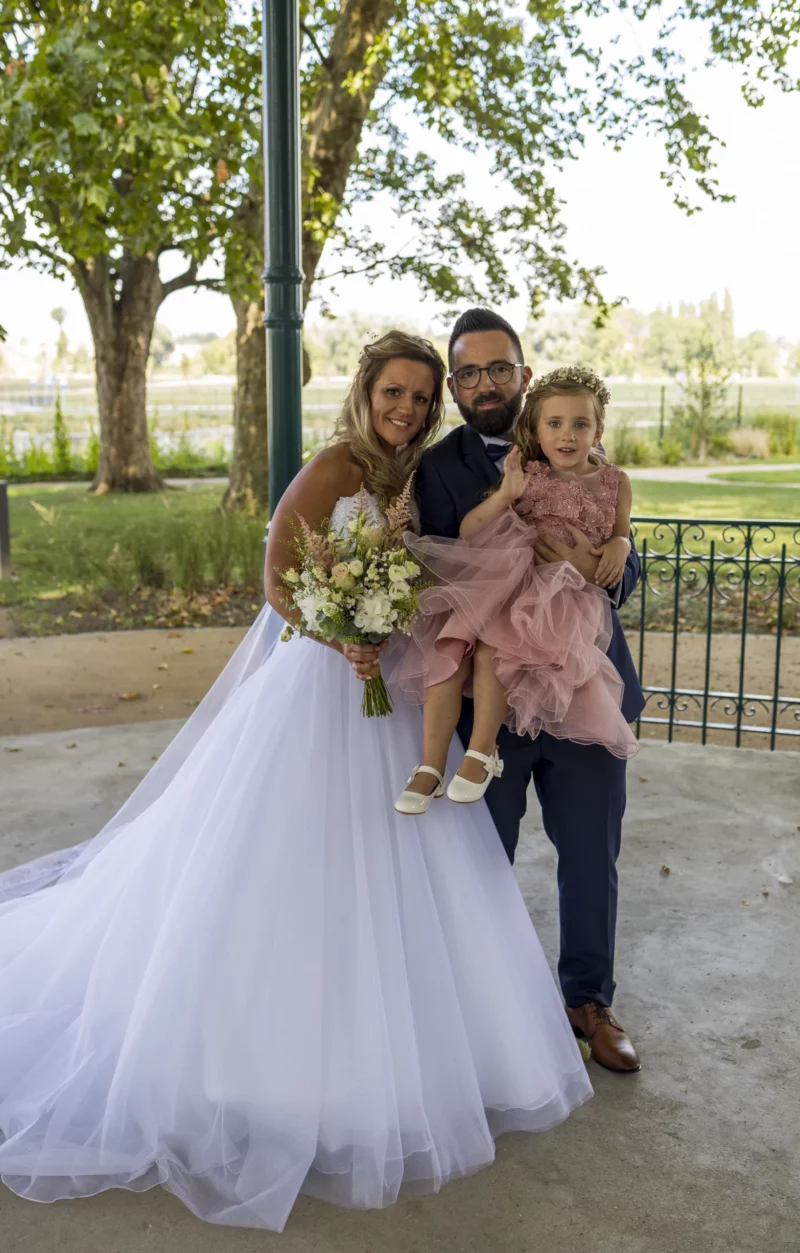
[(515, 480)]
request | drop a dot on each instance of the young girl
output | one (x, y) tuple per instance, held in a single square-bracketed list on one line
[(527, 641)]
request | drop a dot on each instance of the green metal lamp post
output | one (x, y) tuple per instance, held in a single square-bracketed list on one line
[(283, 274)]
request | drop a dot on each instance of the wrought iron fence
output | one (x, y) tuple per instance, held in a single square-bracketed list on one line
[(717, 611)]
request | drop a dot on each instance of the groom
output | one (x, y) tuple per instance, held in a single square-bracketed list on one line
[(581, 788)]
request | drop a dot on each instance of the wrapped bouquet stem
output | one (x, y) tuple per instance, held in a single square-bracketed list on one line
[(359, 587)]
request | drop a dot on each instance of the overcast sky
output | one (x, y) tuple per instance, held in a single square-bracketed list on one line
[(619, 214)]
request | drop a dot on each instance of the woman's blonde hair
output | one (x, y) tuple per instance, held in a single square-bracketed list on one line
[(568, 381), (386, 475)]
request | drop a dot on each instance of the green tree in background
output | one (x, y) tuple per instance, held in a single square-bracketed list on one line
[(62, 444), (140, 128), (162, 344), (121, 111), (525, 85), (59, 316), (702, 418)]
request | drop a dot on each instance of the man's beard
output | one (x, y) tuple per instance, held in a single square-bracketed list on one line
[(499, 420)]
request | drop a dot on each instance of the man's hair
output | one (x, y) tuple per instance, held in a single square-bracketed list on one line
[(480, 319)]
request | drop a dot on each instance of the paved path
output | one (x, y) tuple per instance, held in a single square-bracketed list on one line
[(697, 1154), (705, 474)]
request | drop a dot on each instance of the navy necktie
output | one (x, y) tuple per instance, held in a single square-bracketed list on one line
[(496, 452)]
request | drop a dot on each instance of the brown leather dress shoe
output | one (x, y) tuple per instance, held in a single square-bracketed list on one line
[(610, 1045)]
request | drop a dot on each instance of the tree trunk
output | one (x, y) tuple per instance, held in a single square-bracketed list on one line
[(248, 488), (122, 327)]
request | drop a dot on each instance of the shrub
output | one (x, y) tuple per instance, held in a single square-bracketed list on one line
[(783, 430), (9, 462), (62, 444), (671, 451), (91, 456), (749, 442), (36, 462), (629, 448), (720, 444)]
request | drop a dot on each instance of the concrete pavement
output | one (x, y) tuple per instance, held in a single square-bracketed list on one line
[(697, 1154)]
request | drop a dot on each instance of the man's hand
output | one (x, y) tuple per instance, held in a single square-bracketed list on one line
[(548, 549), (364, 659), (613, 556)]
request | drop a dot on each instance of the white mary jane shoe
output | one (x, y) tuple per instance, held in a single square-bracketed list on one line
[(415, 803), (463, 791)]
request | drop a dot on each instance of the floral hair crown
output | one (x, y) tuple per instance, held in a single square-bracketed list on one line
[(574, 374)]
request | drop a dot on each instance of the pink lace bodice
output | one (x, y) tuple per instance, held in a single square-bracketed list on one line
[(555, 500)]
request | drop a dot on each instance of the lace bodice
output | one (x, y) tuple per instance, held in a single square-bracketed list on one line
[(348, 507), (555, 500)]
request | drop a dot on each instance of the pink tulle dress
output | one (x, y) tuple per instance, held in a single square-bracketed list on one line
[(548, 627)]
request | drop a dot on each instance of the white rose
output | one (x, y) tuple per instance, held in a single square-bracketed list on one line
[(356, 568), (398, 590), (341, 576), (396, 574), (412, 569), (291, 576)]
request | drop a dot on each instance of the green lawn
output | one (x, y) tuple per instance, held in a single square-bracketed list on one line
[(714, 500), (760, 476), (97, 563), (85, 563)]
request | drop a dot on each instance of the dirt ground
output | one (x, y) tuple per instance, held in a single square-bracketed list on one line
[(61, 682)]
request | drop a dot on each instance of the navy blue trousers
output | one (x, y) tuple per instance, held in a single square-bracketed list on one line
[(581, 789)]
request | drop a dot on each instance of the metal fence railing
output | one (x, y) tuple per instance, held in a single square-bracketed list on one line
[(715, 628)]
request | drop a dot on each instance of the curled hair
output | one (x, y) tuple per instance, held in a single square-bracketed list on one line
[(526, 430), (386, 474)]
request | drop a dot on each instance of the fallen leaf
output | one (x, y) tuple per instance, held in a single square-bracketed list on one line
[(765, 891), (187, 650), (191, 702), (751, 1044), (92, 709), (72, 745), (665, 871), (130, 696), (13, 750), (174, 635), (154, 757), (156, 687), (48, 705), (642, 778), (785, 878), (745, 902), (162, 665), (120, 763)]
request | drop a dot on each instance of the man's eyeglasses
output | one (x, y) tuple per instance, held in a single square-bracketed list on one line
[(500, 372)]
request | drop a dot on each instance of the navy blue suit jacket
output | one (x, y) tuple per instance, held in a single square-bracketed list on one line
[(453, 478)]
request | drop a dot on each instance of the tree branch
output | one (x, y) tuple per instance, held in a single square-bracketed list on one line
[(187, 279), (348, 272), (323, 60), (31, 245)]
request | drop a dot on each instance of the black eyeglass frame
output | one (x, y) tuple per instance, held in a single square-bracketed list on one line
[(484, 369)]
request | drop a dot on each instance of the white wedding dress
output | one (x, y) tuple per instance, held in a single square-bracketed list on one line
[(259, 980)]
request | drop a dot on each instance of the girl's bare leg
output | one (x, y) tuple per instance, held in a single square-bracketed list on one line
[(442, 712), (490, 711)]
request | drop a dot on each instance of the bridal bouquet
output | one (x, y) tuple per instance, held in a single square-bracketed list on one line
[(356, 588)]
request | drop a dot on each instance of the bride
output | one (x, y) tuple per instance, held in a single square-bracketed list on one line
[(258, 979)]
